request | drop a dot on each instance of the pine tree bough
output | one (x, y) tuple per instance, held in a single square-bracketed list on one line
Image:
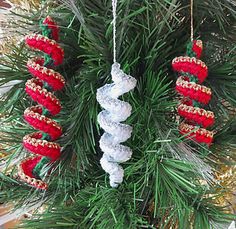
[(116, 111)]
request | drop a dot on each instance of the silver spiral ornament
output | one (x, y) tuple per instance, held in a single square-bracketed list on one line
[(116, 111)]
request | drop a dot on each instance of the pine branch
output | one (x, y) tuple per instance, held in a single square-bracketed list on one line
[(164, 171)]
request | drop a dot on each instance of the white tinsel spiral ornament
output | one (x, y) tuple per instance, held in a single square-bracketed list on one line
[(116, 111)]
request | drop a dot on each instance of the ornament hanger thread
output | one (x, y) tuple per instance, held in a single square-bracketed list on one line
[(191, 6), (114, 7)]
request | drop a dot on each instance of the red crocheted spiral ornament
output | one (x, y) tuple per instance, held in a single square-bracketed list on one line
[(192, 73), (40, 90)]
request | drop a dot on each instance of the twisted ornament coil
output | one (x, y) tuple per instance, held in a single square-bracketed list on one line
[(192, 73), (116, 111), (40, 90)]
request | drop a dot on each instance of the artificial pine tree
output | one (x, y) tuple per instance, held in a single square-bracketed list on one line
[(170, 181)]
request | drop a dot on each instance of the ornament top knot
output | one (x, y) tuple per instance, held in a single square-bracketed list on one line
[(197, 47)]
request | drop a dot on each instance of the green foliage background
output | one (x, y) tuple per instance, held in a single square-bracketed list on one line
[(163, 185)]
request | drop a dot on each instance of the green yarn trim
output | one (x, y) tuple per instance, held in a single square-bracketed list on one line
[(190, 51), (47, 61), (39, 167), (45, 30), (192, 78)]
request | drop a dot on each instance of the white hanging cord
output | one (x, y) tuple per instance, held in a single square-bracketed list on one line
[(191, 6), (114, 7)]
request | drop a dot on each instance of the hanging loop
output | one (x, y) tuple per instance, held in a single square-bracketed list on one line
[(191, 6), (114, 7)]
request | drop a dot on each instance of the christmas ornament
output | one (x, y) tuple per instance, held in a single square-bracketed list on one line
[(116, 111), (40, 89), (192, 73)]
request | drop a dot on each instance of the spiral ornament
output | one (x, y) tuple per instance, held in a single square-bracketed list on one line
[(116, 111), (192, 73), (40, 89)]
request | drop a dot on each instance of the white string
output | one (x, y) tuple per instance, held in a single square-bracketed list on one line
[(114, 6), (191, 9)]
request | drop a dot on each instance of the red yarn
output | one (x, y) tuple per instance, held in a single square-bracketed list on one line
[(34, 115), (192, 90), (192, 66), (53, 27), (36, 145), (197, 48), (196, 119), (34, 88), (54, 79), (27, 166), (198, 134), (47, 46), (196, 114)]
